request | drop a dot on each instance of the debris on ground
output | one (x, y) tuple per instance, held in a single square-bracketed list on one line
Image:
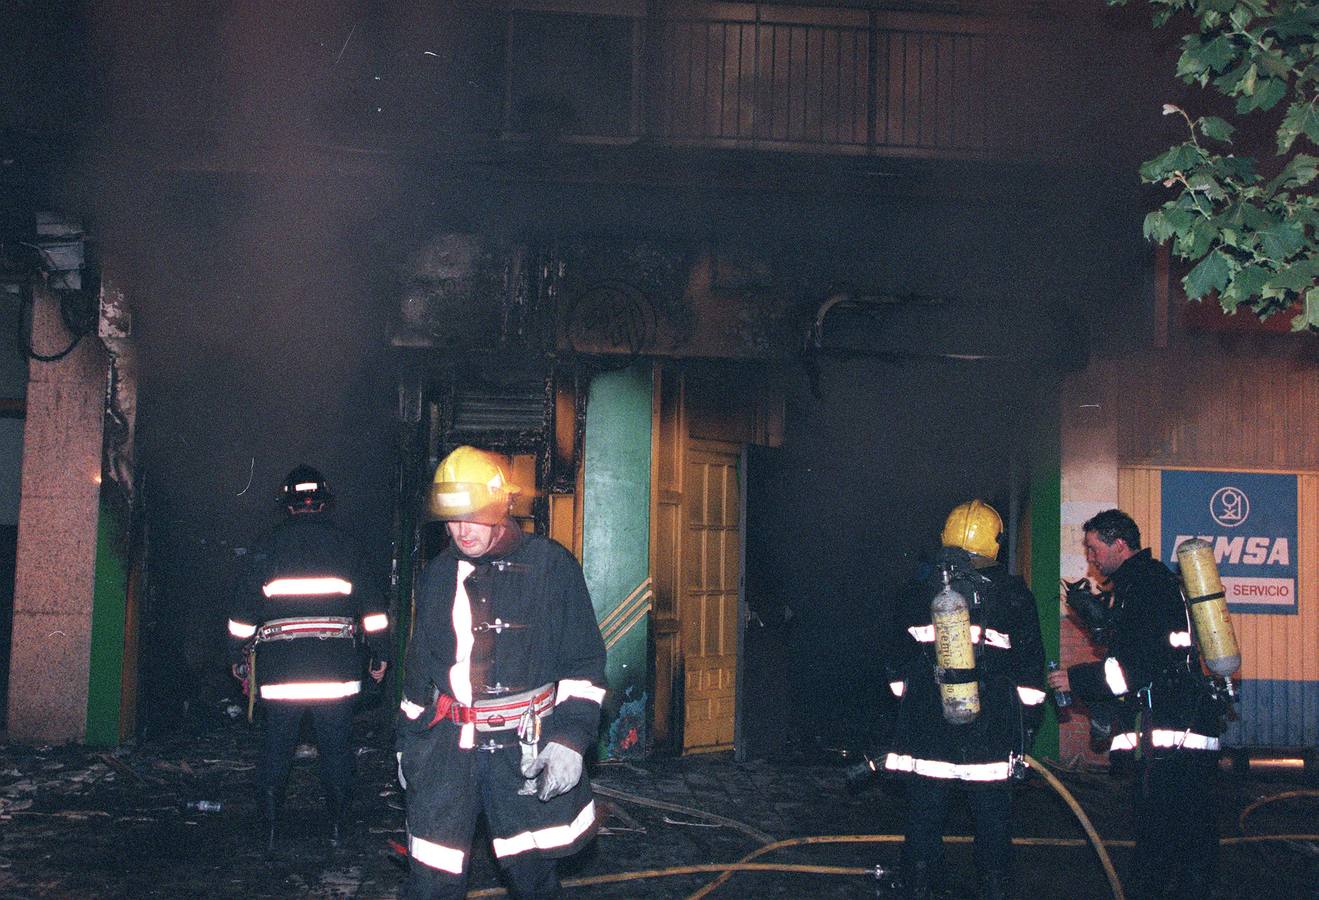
[(175, 818)]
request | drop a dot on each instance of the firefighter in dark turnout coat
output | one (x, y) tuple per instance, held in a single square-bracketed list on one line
[(302, 610), (1152, 670), (979, 755), (504, 679)]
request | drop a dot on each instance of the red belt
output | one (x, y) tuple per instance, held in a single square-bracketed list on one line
[(494, 715)]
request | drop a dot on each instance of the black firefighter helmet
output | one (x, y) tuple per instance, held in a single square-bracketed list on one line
[(305, 490)]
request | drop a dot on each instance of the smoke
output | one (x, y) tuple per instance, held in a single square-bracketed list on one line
[(251, 256)]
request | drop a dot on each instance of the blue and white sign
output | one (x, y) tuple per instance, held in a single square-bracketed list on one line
[(1250, 519)]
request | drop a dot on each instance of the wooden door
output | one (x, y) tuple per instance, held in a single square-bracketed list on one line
[(708, 602), (669, 437)]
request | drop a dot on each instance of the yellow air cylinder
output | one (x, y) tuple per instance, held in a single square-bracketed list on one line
[(953, 650), (1208, 604)]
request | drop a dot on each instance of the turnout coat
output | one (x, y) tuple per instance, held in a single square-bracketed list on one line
[(306, 572), (1010, 674), (1151, 667), (487, 628)]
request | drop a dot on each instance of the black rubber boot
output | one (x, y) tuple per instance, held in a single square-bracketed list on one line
[(994, 886), (272, 803), (915, 882), (338, 807)]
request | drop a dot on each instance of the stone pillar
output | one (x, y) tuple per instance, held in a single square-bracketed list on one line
[(57, 533)]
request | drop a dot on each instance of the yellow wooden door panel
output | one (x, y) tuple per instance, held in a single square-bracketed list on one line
[(667, 545), (708, 608)]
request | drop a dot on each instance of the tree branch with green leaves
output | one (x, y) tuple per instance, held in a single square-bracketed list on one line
[(1249, 229)]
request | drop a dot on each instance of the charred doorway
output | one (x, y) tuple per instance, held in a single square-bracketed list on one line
[(532, 418), (841, 518)]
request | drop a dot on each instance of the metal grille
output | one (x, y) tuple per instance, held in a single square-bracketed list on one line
[(514, 408), (820, 85)]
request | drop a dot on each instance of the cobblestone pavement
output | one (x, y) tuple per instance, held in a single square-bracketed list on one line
[(76, 822)]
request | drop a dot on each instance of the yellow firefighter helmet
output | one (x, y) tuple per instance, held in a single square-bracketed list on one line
[(974, 526), (470, 486)]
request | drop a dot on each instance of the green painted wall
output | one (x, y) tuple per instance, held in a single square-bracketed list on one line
[(109, 606), (1046, 554), (616, 542)]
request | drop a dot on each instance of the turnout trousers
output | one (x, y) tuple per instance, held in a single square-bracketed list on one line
[(531, 876), (332, 721), (928, 800), (1176, 827)]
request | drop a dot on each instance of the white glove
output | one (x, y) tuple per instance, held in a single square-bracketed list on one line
[(559, 768)]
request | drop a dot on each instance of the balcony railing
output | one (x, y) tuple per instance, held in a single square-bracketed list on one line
[(937, 78), (847, 89), (830, 80)]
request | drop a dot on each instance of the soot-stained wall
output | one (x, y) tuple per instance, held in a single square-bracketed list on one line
[(894, 434), (264, 294)]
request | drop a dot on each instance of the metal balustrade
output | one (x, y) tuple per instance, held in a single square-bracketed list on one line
[(849, 89), (852, 82)]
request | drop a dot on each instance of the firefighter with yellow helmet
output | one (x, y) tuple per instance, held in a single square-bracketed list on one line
[(967, 665), (1151, 674), (503, 684)]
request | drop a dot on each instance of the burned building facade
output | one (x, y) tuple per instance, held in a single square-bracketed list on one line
[(751, 294)]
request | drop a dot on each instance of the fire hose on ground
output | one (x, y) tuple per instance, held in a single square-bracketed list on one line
[(746, 864), (1048, 776), (1272, 798)]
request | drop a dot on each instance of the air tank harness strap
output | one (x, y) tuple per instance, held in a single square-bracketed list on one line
[(954, 676), (978, 631), (1205, 598)]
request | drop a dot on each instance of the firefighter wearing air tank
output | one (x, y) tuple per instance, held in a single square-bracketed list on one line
[(503, 684), (303, 612), (968, 666), (1170, 711)]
